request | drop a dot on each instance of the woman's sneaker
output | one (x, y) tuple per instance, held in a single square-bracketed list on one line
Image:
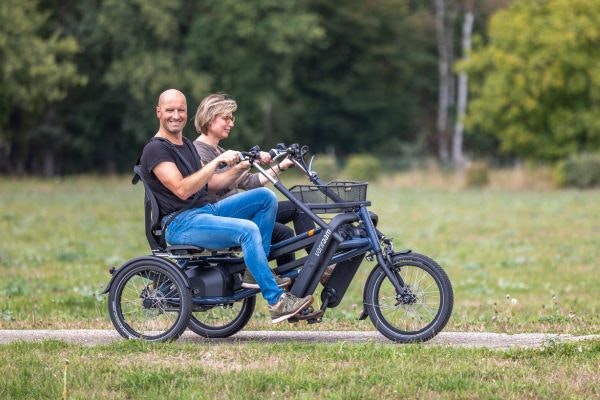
[(250, 283), (287, 306)]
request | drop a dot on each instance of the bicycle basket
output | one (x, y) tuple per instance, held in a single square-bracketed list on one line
[(331, 197)]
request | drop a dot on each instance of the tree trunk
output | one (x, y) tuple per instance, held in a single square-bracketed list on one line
[(445, 94), (46, 141), (463, 90)]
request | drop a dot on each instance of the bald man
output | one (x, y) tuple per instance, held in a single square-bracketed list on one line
[(174, 172)]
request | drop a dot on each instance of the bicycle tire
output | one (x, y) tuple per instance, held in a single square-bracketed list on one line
[(416, 320)]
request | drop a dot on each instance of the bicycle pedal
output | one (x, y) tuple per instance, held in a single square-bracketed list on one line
[(307, 316)]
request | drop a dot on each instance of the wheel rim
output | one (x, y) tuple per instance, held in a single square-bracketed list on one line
[(220, 316), (415, 313), (149, 303)]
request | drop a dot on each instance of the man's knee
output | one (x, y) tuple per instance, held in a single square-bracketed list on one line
[(249, 228)]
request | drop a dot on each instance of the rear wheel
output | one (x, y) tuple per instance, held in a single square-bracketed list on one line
[(418, 314), (149, 301), (222, 320)]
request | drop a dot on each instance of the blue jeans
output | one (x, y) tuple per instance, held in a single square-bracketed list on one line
[(245, 219)]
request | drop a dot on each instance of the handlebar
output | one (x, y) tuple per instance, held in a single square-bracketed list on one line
[(294, 152)]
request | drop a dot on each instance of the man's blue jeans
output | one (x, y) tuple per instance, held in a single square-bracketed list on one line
[(245, 219)]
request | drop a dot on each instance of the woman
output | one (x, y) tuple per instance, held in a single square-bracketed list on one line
[(214, 120)]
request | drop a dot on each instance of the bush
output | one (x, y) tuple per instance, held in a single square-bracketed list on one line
[(361, 167), (326, 167), (477, 174), (581, 171)]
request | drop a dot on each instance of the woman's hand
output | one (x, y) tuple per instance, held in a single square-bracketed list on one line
[(265, 158), (285, 164)]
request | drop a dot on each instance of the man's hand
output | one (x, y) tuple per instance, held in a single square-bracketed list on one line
[(229, 157)]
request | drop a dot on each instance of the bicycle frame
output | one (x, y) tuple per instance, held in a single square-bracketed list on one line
[(328, 246)]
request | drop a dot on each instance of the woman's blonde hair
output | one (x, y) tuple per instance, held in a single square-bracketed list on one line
[(211, 106)]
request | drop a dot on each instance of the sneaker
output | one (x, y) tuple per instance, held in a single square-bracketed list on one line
[(250, 283), (327, 274), (287, 306)]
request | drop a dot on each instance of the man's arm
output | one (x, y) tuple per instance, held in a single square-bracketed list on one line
[(168, 174), (230, 178)]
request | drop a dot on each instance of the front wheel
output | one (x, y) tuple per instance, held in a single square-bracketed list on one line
[(418, 314)]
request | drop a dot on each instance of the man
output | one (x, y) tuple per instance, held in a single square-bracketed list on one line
[(176, 175)]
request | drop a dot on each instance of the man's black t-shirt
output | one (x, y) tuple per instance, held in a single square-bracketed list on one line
[(187, 162)]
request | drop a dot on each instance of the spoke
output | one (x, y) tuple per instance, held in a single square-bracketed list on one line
[(415, 316), (150, 286), (218, 316)]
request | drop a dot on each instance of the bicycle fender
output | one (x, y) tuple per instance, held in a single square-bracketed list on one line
[(161, 260)]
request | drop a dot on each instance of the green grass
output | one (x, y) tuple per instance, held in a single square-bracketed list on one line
[(520, 261), (254, 370)]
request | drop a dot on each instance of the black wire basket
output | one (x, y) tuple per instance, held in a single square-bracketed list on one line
[(332, 197)]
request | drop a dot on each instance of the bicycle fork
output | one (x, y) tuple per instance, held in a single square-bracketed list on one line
[(383, 256)]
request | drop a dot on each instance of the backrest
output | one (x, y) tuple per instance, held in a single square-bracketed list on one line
[(154, 233)]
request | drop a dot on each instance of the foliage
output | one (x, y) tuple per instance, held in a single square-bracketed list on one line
[(79, 80), (36, 72), (348, 76), (361, 167), (249, 50), (369, 81), (581, 171), (536, 84)]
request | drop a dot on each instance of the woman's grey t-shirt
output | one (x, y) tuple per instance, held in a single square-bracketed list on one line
[(207, 154)]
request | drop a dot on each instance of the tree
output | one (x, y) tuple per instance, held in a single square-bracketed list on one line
[(445, 16), (367, 85), (36, 72), (462, 89), (250, 50), (537, 82)]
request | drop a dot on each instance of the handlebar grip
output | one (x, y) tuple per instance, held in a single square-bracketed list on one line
[(279, 150)]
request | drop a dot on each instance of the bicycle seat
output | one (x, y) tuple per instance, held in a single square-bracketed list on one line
[(152, 219)]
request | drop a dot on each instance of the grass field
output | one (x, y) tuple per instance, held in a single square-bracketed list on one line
[(520, 261)]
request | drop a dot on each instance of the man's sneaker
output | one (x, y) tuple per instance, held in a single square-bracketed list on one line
[(327, 274), (287, 306), (250, 283)]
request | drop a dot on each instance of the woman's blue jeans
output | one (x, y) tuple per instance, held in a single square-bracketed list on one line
[(245, 219)]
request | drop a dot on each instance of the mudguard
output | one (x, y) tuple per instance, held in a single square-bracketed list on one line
[(166, 263)]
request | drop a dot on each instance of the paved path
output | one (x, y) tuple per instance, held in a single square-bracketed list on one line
[(462, 339)]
